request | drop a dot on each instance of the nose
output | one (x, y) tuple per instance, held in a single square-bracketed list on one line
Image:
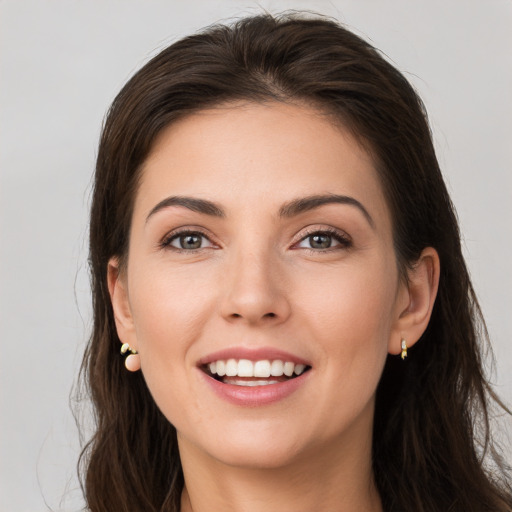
[(255, 291)]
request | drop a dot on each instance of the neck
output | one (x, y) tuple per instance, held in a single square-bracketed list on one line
[(323, 481)]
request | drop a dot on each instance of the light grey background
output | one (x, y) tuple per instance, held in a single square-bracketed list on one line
[(61, 64)]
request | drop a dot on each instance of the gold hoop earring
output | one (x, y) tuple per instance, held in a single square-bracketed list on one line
[(403, 355), (132, 361)]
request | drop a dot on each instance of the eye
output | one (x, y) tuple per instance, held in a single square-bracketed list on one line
[(325, 239), (187, 241)]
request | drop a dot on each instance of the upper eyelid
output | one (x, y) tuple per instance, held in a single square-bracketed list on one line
[(187, 229), (175, 233), (324, 230), (309, 231)]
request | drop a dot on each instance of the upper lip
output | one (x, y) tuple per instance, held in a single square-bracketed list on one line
[(253, 354)]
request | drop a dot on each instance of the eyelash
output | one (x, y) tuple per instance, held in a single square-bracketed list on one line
[(166, 242), (342, 238), (344, 241)]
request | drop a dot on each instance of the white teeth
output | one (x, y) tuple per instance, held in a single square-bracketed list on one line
[(263, 368), (245, 368), (221, 368), (231, 368), (299, 368), (252, 383), (276, 368), (288, 369)]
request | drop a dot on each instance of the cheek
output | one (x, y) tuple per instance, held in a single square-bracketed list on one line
[(350, 324), (169, 313), (168, 306), (351, 317), (167, 322), (355, 301)]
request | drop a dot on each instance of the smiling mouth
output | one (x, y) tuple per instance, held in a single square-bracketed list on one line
[(243, 372)]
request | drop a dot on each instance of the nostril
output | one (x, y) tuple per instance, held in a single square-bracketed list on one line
[(266, 315), (253, 316)]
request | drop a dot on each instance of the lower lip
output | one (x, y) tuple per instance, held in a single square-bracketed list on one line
[(255, 395)]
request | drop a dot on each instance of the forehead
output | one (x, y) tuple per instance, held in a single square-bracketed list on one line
[(258, 155)]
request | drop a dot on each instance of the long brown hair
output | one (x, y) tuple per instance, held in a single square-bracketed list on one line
[(432, 450)]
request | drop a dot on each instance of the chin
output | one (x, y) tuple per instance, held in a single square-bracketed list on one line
[(257, 457), (249, 445)]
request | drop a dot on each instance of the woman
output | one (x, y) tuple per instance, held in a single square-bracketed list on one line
[(275, 255)]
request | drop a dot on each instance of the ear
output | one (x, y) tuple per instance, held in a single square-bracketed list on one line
[(415, 302), (117, 287)]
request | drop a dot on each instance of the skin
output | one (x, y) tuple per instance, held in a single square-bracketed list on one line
[(259, 281)]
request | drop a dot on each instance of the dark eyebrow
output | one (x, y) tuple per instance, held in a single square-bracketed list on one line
[(304, 204), (290, 209), (192, 203)]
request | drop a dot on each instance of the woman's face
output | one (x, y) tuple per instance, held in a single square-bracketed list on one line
[(260, 234)]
